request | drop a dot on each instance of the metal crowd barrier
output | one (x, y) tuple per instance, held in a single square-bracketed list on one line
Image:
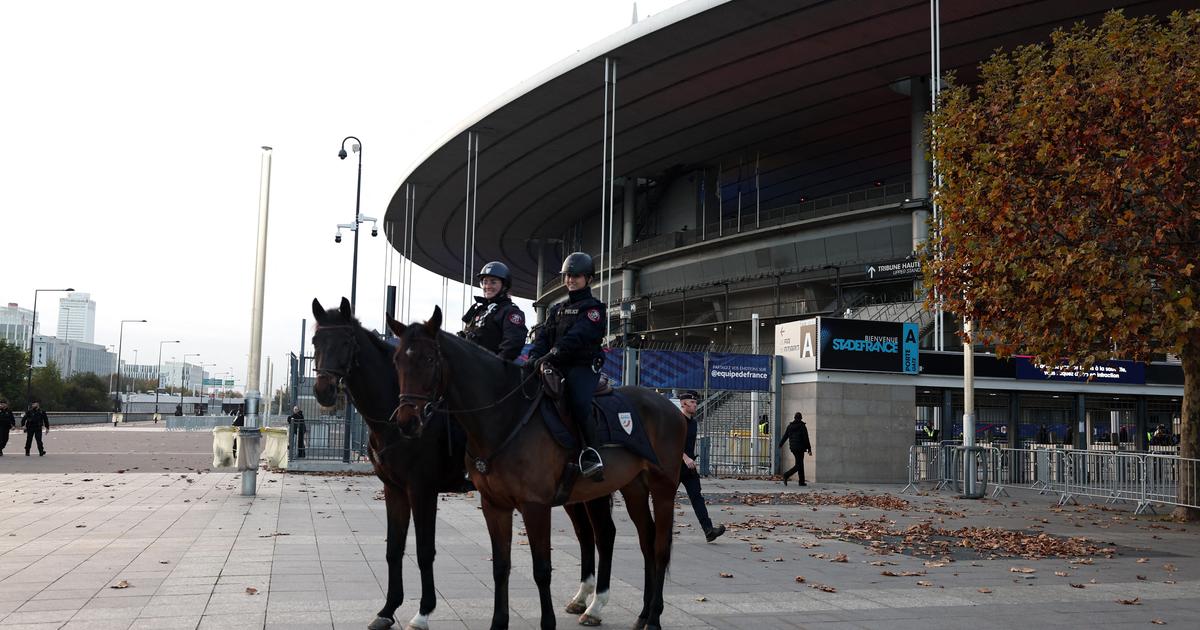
[(1148, 478)]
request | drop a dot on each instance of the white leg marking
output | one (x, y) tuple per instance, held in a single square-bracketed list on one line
[(586, 588), (419, 621), (597, 604)]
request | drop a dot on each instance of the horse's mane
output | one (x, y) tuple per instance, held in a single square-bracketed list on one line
[(479, 354)]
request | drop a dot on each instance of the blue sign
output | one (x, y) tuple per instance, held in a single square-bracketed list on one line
[(1114, 371), (748, 372), (664, 369), (867, 346), (614, 364)]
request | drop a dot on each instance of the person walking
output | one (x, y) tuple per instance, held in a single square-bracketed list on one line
[(689, 402), (796, 435), (493, 321), (34, 421), (7, 422), (297, 422)]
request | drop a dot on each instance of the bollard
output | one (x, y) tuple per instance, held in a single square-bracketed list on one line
[(972, 487)]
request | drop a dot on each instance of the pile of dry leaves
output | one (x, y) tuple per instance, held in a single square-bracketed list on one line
[(924, 539)]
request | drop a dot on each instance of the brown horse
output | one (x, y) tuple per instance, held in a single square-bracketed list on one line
[(517, 464)]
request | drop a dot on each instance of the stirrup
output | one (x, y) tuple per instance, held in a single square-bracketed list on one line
[(594, 468)]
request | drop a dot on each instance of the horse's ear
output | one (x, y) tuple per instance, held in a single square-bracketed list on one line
[(318, 310), (396, 327), (344, 309), (435, 323)]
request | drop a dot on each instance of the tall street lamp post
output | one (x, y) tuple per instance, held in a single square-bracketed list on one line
[(120, 346), (183, 379), (32, 334), (158, 376), (358, 219)]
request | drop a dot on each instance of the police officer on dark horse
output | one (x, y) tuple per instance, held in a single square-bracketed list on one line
[(493, 321), (570, 341)]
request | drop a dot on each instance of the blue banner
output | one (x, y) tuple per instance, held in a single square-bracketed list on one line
[(910, 349), (614, 364), (1114, 371), (664, 369), (747, 372)]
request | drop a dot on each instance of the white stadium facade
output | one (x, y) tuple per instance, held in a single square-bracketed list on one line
[(733, 162)]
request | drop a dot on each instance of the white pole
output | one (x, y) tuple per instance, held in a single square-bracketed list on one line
[(248, 458), (754, 450)]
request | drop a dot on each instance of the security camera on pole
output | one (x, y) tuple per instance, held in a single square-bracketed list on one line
[(358, 220)]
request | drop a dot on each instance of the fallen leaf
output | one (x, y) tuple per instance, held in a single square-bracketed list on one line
[(756, 548), (250, 590), (984, 590), (702, 599), (799, 579), (1143, 560), (924, 583), (1169, 567), (841, 557), (726, 575), (121, 584), (1074, 585), (1061, 573), (1136, 601), (1158, 622), (1021, 570)]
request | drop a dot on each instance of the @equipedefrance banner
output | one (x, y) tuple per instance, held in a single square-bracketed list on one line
[(748, 372)]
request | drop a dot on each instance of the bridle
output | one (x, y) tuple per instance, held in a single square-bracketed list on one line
[(351, 341), (435, 400)]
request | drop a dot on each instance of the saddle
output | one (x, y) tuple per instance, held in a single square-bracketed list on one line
[(554, 384)]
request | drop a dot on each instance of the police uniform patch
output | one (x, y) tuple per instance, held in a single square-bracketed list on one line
[(593, 314), (516, 319)]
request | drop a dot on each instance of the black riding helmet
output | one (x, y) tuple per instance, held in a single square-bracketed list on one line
[(498, 270), (578, 263)]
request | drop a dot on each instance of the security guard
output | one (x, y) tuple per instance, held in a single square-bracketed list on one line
[(570, 340), (493, 321)]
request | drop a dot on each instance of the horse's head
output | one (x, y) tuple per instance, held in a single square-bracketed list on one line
[(420, 370), (335, 349)]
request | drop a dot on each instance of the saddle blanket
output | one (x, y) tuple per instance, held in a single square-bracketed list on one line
[(617, 423)]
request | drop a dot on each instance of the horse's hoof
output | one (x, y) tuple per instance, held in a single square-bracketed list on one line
[(381, 623), (588, 620), (575, 608), (413, 626), (640, 624)]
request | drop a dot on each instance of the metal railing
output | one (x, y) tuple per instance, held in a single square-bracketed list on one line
[(1148, 479), (325, 440)]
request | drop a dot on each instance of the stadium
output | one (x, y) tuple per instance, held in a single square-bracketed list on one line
[(750, 175)]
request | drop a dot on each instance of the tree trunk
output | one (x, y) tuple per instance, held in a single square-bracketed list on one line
[(1189, 432)]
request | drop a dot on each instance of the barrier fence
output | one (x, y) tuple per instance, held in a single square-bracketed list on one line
[(1148, 479)]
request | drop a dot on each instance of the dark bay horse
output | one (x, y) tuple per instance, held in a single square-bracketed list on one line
[(516, 463), (414, 469)]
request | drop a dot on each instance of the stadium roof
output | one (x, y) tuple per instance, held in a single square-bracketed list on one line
[(804, 86)]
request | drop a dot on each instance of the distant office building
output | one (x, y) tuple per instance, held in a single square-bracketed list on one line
[(16, 325), (77, 318), (187, 375), (72, 357)]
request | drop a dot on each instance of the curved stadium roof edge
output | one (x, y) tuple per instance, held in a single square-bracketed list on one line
[(808, 85)]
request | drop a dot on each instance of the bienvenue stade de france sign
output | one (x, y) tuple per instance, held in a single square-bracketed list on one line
[(826, 343)]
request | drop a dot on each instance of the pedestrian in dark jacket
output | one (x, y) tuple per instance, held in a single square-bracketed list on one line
[(493, 321), (7, 422), (298, 427), (796, 437), (34, 421), (689, 476)]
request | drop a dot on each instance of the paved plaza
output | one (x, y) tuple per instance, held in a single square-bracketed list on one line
[(307, 552)]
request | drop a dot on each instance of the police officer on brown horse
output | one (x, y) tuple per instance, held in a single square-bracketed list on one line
[(570, 340), (493, 321)]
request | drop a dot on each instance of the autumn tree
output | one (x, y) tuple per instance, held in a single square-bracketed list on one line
[(1070, 200)]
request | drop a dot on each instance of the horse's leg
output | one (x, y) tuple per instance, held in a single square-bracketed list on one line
[(537, 526), (637, 503), (397, 533), (663, 494), (600, 515), (425, 517), (499, 524), (587, 557)]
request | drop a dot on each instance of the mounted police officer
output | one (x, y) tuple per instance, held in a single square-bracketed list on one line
[(493, 321), (570, 340)]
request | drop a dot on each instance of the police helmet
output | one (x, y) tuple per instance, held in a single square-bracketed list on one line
[(498, 270), (578, 263)]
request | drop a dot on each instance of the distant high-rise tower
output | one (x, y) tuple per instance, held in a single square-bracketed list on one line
[(77, 318)]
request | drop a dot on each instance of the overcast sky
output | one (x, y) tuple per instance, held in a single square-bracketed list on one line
[(132, 134)]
